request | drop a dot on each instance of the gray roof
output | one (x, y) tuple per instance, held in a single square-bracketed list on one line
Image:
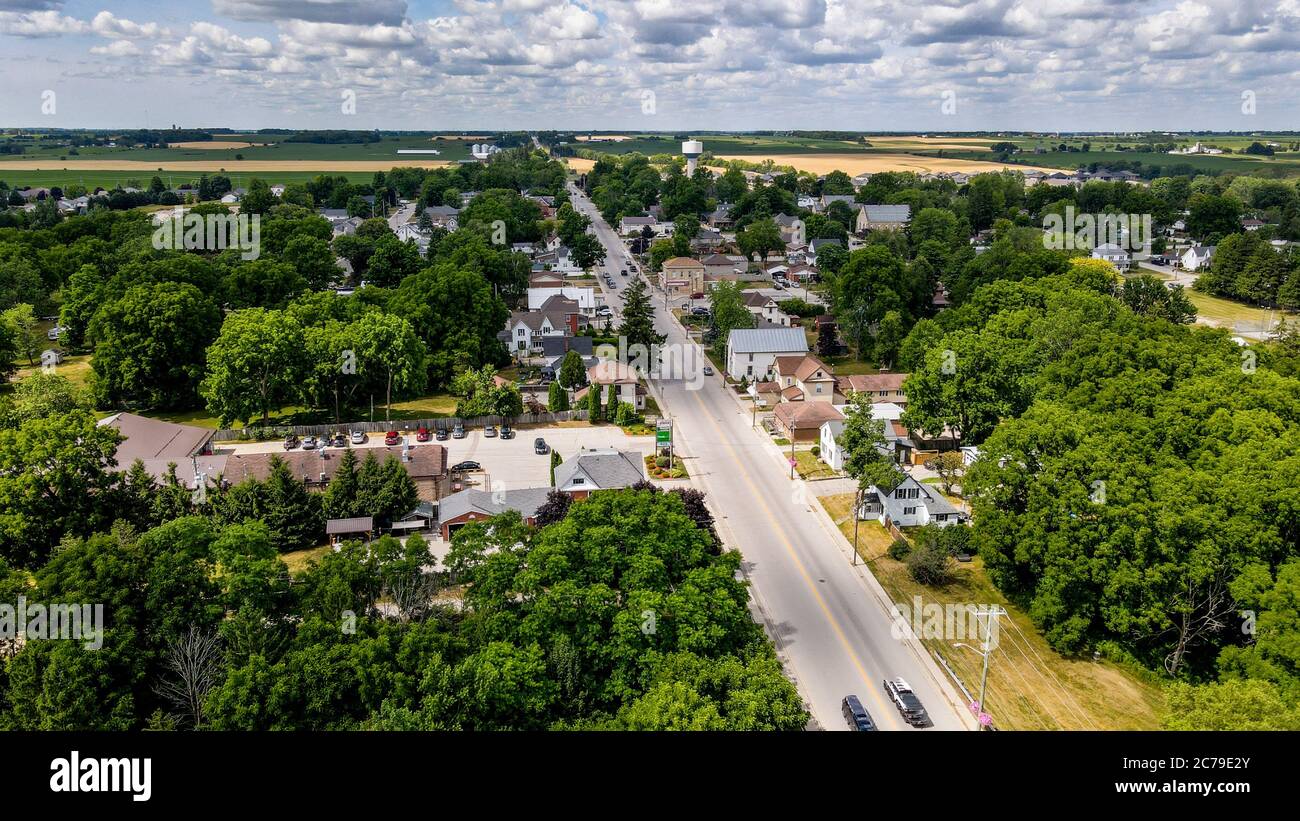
[(606, 469), (888, 213), (146, 438), (558, 346), (767, 340), (827, 199), (359, 524), (822, 242), (441, 211), (526, 500)]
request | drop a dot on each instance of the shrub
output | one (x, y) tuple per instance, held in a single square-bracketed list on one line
[(662, 462), (930, 564), (816, 450), (899, 550)]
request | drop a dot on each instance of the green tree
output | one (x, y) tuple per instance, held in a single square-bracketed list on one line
[(255, 365)]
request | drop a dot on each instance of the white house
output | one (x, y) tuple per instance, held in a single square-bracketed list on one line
[(1197, 257), (599, 469), (910, 504), (411, 232), (1113, 254), (765, 308), (829, 439), (751, 352)]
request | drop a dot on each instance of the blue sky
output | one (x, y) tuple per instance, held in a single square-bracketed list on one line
[(709, 64)]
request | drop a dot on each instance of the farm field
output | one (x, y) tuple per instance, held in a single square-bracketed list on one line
[(268, 147), (865, 162)]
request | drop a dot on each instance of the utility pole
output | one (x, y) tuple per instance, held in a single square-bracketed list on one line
[(857, 517), (990, 614)]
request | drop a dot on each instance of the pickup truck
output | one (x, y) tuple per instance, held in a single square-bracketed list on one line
[(909, 706)]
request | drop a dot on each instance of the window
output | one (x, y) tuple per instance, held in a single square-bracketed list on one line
[(909, 511), (578, 480), (749, 371), (941, 517), (751, 357)]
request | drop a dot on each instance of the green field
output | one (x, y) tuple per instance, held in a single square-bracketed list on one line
[(172, 179), (276, 149)]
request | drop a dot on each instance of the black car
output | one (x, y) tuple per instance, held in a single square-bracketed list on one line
[(507, 432), (856, 715), (466, 466), (540, 446), (900, 692), (442, 434)]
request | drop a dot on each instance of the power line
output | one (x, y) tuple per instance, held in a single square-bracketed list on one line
[(1051, 680)]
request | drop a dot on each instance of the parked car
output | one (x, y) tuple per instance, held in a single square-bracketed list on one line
[(422, 434), (489, 431), (466, 466), (458, 432), (778, 286), (392, 438), (540, 447), (697, 295), (604, 310), (699, 310), (358, 437), (856, 715), (708, 370), (290, 441), (900, 692), (623, 272), (442, 434), (340, 440), (309, 443), (507, 432), (53, 333)]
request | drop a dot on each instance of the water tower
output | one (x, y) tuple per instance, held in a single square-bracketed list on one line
[(691, 150)]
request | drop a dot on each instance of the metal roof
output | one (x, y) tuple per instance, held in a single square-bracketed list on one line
[(767, 340)]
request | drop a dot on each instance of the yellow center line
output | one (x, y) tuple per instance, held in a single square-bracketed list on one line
[(794, 556)]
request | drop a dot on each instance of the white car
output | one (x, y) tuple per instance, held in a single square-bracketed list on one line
[(604, 310), (358, 437)]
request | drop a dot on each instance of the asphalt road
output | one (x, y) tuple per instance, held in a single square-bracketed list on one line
[(834, 634)]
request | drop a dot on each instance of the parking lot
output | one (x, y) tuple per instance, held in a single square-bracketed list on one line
[(511, 462)]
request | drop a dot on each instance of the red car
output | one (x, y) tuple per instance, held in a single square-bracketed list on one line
[(422, 435), (391, 437)]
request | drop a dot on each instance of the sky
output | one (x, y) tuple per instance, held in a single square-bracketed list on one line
[(657, 65)]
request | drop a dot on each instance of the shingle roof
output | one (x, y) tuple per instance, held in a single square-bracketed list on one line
[(607, 469), (888, 213), (767, 340), (147, 438), (358, 524), (425, 461), (804, 415), (526, 500)]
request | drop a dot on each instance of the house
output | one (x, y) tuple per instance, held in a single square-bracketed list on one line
[(909, 504), (831, 452), (560, 260), (343, 530), (881, 387), (411, 232), (765, 308), (802, 421), (721, 267), (1197, 257), (155, 442), (707, 239), (602, 469), (1252, 224), (525, 330), (1113, 254), (584, 295), (802, 273), (633, 226), (826, 200), (721, 216), (791, 228), (682, 275), (444, 216), (882, 218), (916, 447), (752, 352), (804, 379), (471, 505), (817, 244), (612, 372), (554, 349)]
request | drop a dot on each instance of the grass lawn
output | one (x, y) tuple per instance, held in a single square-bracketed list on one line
[(1225, 313), (298, 560), (810, 467), (1030, 686), (76, 369), (847, 364)]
